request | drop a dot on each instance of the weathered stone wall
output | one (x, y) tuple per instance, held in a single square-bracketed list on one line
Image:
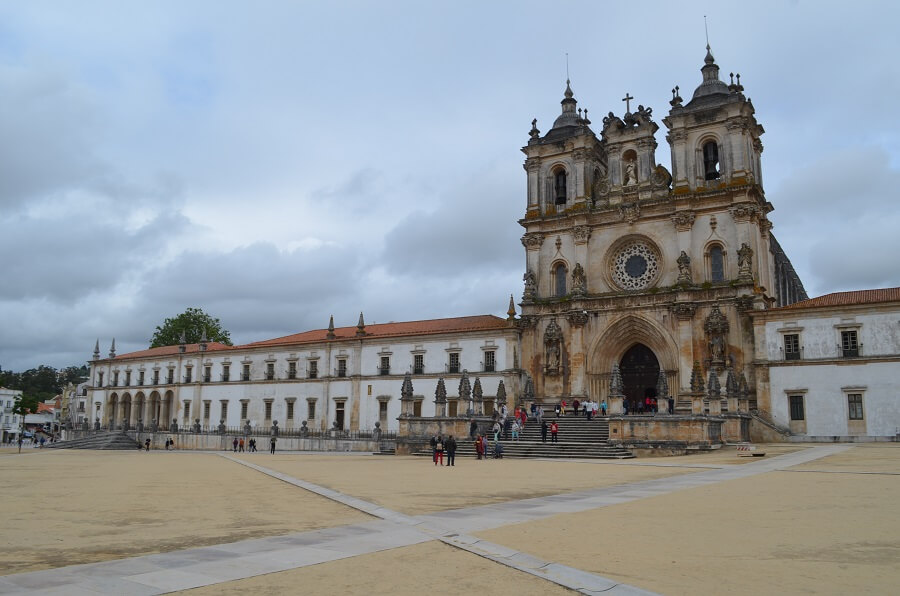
[(665, 432), (215, 442)]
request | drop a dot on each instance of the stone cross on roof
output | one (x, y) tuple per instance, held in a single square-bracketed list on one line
[(627, 99)]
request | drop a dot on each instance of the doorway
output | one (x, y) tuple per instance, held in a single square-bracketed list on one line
[(339, 415), (640, 372)]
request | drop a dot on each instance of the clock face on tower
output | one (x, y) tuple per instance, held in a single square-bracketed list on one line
[(635, 266)]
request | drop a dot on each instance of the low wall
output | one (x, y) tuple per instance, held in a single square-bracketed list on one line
[(215, 442), (666, 435), (415, 432)]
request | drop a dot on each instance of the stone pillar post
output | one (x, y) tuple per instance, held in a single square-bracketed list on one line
[(714, 394), (616, 392)]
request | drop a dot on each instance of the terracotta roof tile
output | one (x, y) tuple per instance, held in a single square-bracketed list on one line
[(848, 299), (212, 346), (404, 328)]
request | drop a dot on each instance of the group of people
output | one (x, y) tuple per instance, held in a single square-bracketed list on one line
[(439, 446), (237, 445), (587, 408), (648, 405), (483, 447)]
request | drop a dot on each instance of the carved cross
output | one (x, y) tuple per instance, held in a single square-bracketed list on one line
[(627, 99)]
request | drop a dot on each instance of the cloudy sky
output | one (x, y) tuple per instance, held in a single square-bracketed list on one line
[(277, 162)]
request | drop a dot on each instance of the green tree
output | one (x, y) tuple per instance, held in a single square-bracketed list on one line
[(192, 323)]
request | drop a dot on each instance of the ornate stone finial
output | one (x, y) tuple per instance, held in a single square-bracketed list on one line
[(579, 281), (528, 392), (684, 269), (440, 393), (696, 378), (676, 98), (330, 334), (745, 262), (182, 340), (112, 349), (511, 313), (361, 326), (714, 390), (478, 396), (501, 394), (97, 350), (534, 133), (406, 389), (709, 57), (568, 93), (616, 386), (203, 340), (627, 99), (731, 384), (743, 388), (465, 392), (662, 386)]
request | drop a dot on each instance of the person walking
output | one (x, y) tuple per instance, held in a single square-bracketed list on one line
[(272, 444), (439, 451), (478, 447), (433, 443), (241, 445), (451, 451), (543, 431), (147, 444), (554, 430), (557, 408), (515, 432), (603, 408), (234, 445)]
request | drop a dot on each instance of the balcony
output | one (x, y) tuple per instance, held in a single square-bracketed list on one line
[(206, 378), (384, 370), (245, 377), (226, 378), (489, 367), (453, 368), (418, 370), (792, 355), (270, 376), (850, 352)]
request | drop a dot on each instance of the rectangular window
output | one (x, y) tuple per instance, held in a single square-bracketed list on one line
[(849, 344), (792, 346), (141, 378), (99, 379), (382, 412), (244, 407), (292, 370), (245, 375), (270, 371), (171, 376), (313, 369), (128, 378), (453, 366), (156, 377), (418, 364), (385, 368), (188, 374), (452, 408), (290, 410), (226, 372), (796, 402), (489, 360), (115, 379), (417, 407), (187, 410), (268, 410), (311, 410), (206, 408), (342, 367), (854, 401), (224, 411), (207, 374)]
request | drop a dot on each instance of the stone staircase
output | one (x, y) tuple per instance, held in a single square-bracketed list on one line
[(100, 440), (578, 438)]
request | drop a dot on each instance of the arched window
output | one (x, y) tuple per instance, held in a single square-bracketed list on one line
[(710, 161), (559, 186), (559, 280), (716, 263)]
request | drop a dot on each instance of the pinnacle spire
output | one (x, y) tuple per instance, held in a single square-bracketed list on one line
[(715, 389), (361, 326), (112, 349), (616, 386), (511, 313), (97, 350), (330, 334)]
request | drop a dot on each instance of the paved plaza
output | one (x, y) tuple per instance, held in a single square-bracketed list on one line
[(804, 519)]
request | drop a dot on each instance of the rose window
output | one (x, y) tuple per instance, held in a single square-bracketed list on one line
[(635, 266)]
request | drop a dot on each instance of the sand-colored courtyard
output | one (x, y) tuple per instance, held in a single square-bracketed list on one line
[(827, 526)]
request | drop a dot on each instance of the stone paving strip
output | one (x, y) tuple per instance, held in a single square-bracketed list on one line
[(196, 567)]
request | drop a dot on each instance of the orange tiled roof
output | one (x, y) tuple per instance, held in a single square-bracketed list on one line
[(212, 346), (42, 407), (848, 299), (403, 328)]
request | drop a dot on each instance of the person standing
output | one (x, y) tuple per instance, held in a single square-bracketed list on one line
[(543, 431), (603, 408), (147, 444), (439, 451), (554, 430), (272, 444), (433, 444), (234, 445), (451, 451), (478, 447), (241, 445), (557, 408)]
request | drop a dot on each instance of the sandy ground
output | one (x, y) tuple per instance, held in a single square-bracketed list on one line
[(432, 567), (68, 507), (872, 458), (413, 485), (779, 533), (726, 455)]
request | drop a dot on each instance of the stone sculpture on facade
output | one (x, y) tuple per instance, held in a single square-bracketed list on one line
[(140, 425), (173, 428), (501, 395), (745, 262), (274, 430), (125, 424), (684, 269), (247, 429), (528, 392), (406, 396), (552, 348), (154, 426), (465, 393), (440, 399), (304, 429), (579, 281), (221, 426), (662, 393), (478, 397), (530, 292), (716, 328), (376, 434), (630, 173), (196, 426)]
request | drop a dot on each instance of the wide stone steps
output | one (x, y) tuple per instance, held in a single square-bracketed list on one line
[(102, 441)]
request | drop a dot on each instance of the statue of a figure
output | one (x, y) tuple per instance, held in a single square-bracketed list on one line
[(274, 431), (125, 424), (579, 280), (154, 426), (553, 355), (85, 425), (173, 428), (684, 268), (630, 173), (717, 348), (247, 428), (196, 427), (745, 259), (530, 286), (221, 426), (376, 434), (140, 425), (304, 430)]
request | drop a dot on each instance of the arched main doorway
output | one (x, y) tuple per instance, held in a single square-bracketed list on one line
[(640, 372)]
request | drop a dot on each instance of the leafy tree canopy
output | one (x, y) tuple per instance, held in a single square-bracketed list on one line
[(26, 404), (43, 382), (192, 323)]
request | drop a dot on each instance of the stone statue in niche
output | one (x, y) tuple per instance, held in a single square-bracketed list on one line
[(140, 425), (530, 286), (745, 259), (716, 327), (274, 430), (579, 281), (630, 173), (552, 347), (684, 268)]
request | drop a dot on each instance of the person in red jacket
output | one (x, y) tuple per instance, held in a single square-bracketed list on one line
[(554, 429)]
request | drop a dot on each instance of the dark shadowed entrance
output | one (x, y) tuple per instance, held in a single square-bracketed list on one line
[(640, 372)]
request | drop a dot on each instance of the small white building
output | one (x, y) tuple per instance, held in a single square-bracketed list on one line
[(347, 377), (830, 366), (10, 424)]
